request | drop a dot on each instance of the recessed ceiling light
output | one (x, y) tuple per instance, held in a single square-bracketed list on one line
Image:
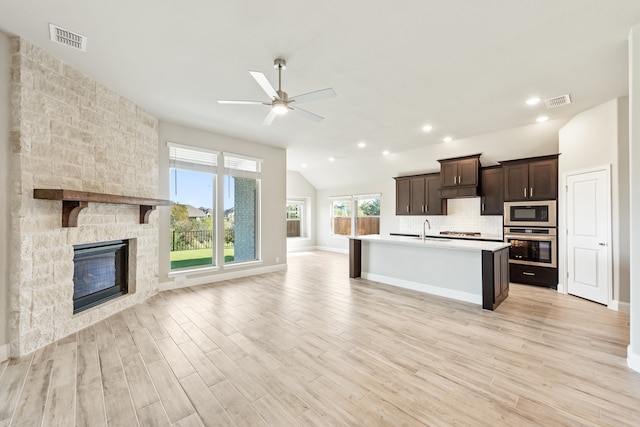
[(542, 119), (385, 153), (447, 139), (332, 159), (427, 128), (533, 101), (304, 165), (362, 144)]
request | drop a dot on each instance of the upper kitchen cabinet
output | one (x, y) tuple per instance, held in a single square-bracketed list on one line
[(531, 179), (403, 196), (419, 195), (491, 191), (459, 176)]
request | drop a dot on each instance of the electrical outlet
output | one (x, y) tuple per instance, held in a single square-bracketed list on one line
[(277, 259)]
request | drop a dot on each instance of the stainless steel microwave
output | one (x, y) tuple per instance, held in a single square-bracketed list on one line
[(530, 213)]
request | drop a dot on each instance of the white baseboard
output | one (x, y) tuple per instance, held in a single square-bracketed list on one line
[(330, 249), (4, 352), (633, 359), (422, 287), (302, 249), (623, 307), (186, 281)]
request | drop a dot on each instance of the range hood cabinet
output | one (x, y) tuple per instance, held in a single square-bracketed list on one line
[(459, 177)]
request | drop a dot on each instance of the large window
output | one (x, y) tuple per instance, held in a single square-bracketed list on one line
[(194, 230), (193, 190), (241, 207), (355, 215), (295, 218)]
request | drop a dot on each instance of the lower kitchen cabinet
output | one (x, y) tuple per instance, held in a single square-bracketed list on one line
[(495, 278), (533, 275)]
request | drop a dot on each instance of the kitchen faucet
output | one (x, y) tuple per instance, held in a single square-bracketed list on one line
[(424, 232)]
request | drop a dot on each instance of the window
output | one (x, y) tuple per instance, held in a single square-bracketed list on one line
[(241, 208), (360, 213), (368, 215), (341, 216), (193, 188), (295, 218)]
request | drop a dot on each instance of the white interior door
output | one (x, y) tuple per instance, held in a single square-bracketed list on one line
[(588, 235)]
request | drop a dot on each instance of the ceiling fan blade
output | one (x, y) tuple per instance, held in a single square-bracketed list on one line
[(269, 119), (264, 84), (306, 114), (313, 96), (223, 101)]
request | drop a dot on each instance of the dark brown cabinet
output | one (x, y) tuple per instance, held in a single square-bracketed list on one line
[(534, 275), (495, 278), (491, 191), (403, 196), (419, 195), (459, 176), (459, 172), (531, 179)]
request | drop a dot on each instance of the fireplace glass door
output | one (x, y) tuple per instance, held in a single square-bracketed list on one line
[(100, 273)]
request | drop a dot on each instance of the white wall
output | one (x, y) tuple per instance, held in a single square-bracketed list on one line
[(595, 138), (273, 198), (299, 188), (5, 62), (633, 353)]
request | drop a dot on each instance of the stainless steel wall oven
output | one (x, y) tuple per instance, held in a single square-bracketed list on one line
[(532, 246)]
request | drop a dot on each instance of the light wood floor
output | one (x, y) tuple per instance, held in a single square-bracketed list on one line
[(311, 347)]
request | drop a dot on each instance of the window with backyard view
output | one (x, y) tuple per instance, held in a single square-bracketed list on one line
[(355, 213), (193, 189)]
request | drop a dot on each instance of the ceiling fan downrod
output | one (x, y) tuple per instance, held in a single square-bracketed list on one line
[(280, 64)]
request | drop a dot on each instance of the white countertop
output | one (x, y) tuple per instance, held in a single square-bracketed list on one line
[(444, 243)]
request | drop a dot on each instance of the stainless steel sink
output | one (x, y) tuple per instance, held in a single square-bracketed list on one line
[(433, 239)]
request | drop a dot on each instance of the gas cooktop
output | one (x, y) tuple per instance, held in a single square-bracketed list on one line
[(461, 233)]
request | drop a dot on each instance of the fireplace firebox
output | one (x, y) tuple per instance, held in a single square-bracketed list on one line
[(100, 273)]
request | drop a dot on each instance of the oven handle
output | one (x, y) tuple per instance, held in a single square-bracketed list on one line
[(529, 237)]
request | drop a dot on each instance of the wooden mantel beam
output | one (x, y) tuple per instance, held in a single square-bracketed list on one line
[(73, 202)]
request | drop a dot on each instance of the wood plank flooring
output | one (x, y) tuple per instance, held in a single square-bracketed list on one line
[(312, 347)]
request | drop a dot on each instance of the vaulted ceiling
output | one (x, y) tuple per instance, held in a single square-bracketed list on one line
[(464, 67)]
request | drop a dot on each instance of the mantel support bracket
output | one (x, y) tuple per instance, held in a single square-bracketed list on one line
[(70, 211)]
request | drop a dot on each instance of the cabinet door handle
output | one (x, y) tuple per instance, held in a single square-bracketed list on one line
[(407, 208), (602, 244), (427, 210), (454, 180), (526, 273), (422, 208), (525, 192), (483, 207), (459, 180), (531, 192)]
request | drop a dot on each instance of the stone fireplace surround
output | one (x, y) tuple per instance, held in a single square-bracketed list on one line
[(69, 132)]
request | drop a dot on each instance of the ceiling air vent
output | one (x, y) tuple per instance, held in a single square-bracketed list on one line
[(67, 38), (558, 101)]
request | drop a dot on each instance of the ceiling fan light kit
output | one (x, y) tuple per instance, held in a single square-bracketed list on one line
[(279, 99)]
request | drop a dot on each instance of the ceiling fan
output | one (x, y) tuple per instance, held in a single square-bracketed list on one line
[(280, 100)]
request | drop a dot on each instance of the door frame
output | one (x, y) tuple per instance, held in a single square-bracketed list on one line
[(564, 232)]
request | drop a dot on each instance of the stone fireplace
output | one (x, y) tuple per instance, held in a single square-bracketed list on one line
[(68, 132)]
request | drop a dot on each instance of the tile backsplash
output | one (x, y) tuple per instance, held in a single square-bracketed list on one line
[(462, 215)]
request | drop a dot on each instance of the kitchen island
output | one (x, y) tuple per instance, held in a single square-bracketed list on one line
[(466, 270)]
